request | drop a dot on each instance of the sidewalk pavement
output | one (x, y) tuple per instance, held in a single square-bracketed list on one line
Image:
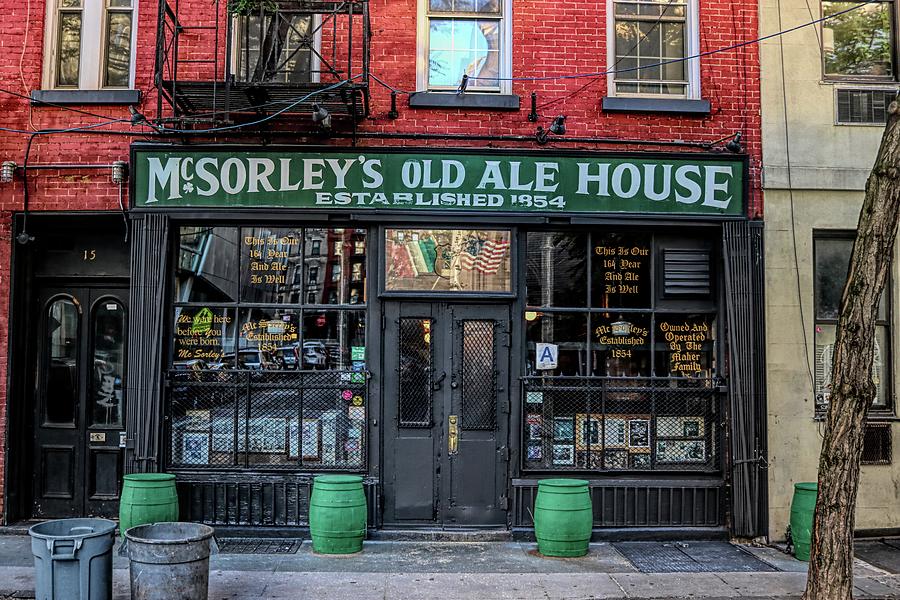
[(486, 570)]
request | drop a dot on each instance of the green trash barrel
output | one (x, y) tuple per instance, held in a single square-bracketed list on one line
[(337, 514), (563, 517), (147, 498), (803, 506)]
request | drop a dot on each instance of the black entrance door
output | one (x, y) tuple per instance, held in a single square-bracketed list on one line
[(446, 373), (79, 400)]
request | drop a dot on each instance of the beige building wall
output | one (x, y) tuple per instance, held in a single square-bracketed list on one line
[(829, 165)]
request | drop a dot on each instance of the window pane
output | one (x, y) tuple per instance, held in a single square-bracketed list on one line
[(464, 46), (465, 6), (268, 339), (69, 49), (685, 346), (416, 358), (204, 338), (825, 337), (832, 262), (334, 339), (620, 271), (118, 49), (288, 40), (620, 344), (556, 269), (61, 339), (858, 42), (119, 3), (269, 257), (207, 264), (335, 266), (567, 331), (447, 260), (109, 363)]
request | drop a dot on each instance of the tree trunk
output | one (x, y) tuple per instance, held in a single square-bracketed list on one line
[(852, 391)]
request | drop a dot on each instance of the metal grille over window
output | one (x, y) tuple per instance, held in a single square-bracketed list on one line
[(613, 424), (877, 444), (866, 107), (478, 372), (267, 420), (416, 372)]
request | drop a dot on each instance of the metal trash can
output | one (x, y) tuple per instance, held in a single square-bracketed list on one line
[(169, 560), (73, 554)]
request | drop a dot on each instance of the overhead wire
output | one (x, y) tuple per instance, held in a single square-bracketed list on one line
[(291, 104)]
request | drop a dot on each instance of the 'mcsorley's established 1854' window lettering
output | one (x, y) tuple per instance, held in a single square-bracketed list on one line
[(467, 182)]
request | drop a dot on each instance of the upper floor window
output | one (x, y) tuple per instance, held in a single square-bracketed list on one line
[(90, 44), (651, 40), (278, 46), (465, 37), (858, 43)]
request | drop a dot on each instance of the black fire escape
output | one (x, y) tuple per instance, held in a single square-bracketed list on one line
[(240, 58)]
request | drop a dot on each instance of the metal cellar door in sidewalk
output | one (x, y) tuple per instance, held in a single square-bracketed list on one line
[(446, 400)]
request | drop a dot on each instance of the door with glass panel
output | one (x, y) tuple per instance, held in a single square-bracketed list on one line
[(446, 413), (79, 401)]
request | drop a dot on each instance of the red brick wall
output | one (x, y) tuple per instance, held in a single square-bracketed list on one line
[(550, 38)]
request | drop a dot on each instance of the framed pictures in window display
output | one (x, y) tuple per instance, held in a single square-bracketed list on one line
[(614, 432), (535, 451), (563, 454), (639, 460), (311, 439), (680, 451), (615, 459), (195, 448), (563, 429), (639, 433), (535, 426), (689, 427), (588, 429)]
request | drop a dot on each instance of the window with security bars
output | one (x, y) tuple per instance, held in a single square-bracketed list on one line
[(259, 379), (863, 107), (416, 359), (478, 374), (620, 375)]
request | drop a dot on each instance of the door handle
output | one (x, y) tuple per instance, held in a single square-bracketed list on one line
[(453, 435), (436, 384)]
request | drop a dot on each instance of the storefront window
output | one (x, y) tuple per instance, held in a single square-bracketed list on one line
[(259, 379), (616, 378), (447, 260)]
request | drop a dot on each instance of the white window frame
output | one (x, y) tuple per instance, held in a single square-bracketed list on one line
[(422, 48), (92, 58), (692, 48), (237, 42)]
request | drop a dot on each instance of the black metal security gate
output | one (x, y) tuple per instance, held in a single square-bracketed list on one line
[(446, 408)]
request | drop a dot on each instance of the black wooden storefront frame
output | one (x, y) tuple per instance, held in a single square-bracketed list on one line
[(712, 491)]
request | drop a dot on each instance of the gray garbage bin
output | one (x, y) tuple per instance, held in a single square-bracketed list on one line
[(70, 555), (169, 560)]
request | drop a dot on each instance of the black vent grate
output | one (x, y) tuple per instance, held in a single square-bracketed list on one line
[(866, 107), (686, 272), (877, 444), (257, 546)]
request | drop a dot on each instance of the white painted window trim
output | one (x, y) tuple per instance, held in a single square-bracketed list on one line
[(93, 44), (506, 49), (692, 35)]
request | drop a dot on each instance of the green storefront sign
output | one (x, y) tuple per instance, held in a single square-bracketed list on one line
[(488, 182)]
